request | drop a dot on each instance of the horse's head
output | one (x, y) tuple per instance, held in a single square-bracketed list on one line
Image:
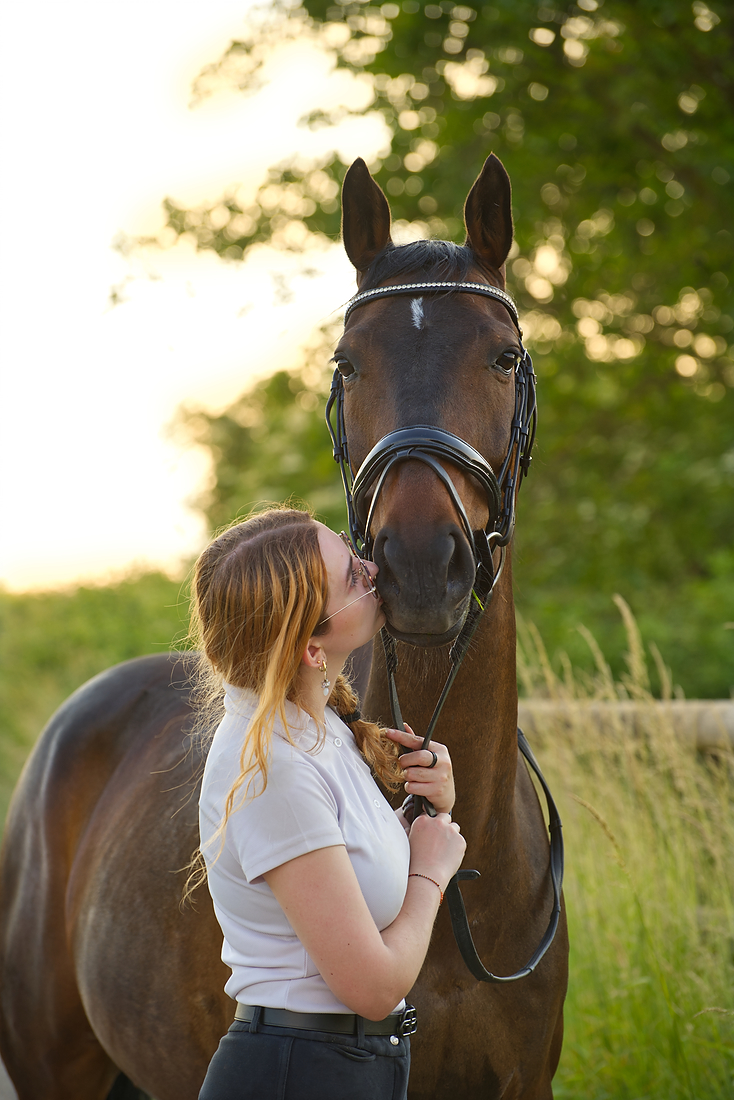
[(445, 360)]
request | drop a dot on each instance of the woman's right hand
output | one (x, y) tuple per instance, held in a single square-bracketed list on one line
[(436, 847)]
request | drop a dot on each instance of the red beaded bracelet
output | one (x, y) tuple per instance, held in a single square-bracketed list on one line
[(417, 874)]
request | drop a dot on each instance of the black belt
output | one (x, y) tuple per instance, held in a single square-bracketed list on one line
[(398, 1023)]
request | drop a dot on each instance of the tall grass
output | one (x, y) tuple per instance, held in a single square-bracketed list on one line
[(649, 828)]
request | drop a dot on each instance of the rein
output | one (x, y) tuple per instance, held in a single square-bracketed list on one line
[(429, 444)]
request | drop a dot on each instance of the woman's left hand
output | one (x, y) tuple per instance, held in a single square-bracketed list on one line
[(434, 783)]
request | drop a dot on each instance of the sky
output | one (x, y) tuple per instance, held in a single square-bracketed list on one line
[(97, 127)]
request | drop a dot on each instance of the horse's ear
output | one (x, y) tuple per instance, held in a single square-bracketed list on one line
[(365, 216), (488, 214)]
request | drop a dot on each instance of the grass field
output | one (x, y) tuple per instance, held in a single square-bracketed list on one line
[(649, 827), (648, 822), (51, 642)]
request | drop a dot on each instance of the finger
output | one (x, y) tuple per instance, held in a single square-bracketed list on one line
[(423, 821), (422, 769), (435, 745), (416, 760), (426, 777), (423, 789), (404, 737), (425, 758)]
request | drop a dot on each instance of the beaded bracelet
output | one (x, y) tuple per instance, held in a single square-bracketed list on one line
[(417, 874)]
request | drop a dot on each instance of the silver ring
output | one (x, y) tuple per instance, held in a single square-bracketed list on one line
[(433, 762)]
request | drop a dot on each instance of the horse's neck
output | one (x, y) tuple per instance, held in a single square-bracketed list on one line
[(479, 719)]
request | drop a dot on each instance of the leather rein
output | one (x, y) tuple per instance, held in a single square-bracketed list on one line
[(430, 445)]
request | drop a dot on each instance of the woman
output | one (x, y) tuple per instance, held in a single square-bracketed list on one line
[(325, 896)]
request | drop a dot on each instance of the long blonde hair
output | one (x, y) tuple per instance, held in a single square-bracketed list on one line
[(260, 591)]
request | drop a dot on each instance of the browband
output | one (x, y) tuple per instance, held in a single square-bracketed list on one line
[(411, 288)]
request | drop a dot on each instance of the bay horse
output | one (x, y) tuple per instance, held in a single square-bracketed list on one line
[(110, 988)]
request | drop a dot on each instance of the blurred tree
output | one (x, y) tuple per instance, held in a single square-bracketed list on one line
[(272, 445), (615, 122)]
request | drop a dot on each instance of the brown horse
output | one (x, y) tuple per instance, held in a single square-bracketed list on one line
[(106, 981)]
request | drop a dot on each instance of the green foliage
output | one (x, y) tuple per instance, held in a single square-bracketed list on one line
[(272, 444), (615, 121), (51, 642)]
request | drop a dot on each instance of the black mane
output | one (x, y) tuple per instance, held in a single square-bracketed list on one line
[(436, 260)]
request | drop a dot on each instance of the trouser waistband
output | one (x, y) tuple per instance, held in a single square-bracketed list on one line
[(397, 1023)]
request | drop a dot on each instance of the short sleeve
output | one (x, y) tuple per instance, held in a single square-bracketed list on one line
[(295, 814)]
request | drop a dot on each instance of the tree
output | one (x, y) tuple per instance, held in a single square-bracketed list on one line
[(615, 121), (271, 445)]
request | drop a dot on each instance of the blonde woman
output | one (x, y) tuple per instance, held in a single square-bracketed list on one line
[(325, 895)]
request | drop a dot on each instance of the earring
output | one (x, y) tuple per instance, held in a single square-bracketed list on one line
[(326, 684)]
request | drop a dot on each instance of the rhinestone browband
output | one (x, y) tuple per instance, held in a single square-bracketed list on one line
[(412, 288)]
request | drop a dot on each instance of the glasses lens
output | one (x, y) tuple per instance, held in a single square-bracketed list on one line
[(363, 571)]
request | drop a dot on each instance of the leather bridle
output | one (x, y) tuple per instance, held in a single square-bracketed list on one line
[(426, 443), (430, 445)]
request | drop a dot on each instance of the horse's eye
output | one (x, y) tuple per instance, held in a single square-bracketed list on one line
[(508, 360), (345, 368)]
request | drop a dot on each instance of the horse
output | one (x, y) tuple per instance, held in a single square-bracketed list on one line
[(110, 988)]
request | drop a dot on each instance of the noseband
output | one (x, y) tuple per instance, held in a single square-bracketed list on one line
[(432, 446)]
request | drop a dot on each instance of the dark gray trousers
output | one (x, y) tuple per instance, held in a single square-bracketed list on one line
[(255, 1062)]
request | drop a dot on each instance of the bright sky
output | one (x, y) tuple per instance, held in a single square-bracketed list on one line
[(96, 131)]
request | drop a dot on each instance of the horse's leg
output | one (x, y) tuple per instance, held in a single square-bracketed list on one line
[(47, 1044), (48, 1047)]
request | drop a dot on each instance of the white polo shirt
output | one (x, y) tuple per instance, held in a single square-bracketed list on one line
[(316, 797)]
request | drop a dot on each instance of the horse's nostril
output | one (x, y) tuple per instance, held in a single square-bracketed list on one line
[(387, 580), (461, 566)]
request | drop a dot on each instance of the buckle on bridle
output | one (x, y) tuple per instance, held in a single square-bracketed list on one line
[(408, 1022)]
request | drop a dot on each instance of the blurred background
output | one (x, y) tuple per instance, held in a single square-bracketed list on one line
[(172, 283)]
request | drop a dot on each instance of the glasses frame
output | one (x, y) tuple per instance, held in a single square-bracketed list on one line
[(364, 574)]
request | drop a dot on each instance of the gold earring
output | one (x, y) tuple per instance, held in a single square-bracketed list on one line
[(326, 684)]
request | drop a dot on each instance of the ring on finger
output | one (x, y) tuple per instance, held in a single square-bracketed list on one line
[(433, 762)]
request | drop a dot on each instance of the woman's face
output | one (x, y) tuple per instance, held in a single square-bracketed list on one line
[(357, 615)]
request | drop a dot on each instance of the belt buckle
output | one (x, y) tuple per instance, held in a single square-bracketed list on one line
[(408, 1021)]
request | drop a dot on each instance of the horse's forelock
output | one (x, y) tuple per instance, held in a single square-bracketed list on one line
[(439, 260)]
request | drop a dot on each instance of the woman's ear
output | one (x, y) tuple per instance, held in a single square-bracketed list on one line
[(313, 654)]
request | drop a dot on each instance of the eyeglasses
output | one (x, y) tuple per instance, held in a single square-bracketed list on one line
[(363, 572)]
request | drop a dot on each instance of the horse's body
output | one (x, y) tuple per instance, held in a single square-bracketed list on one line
[(102, 971)]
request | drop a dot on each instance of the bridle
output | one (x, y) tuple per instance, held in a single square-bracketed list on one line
[(429, 444)]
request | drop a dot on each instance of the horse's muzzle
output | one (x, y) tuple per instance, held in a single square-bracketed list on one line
[(425, 587)]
